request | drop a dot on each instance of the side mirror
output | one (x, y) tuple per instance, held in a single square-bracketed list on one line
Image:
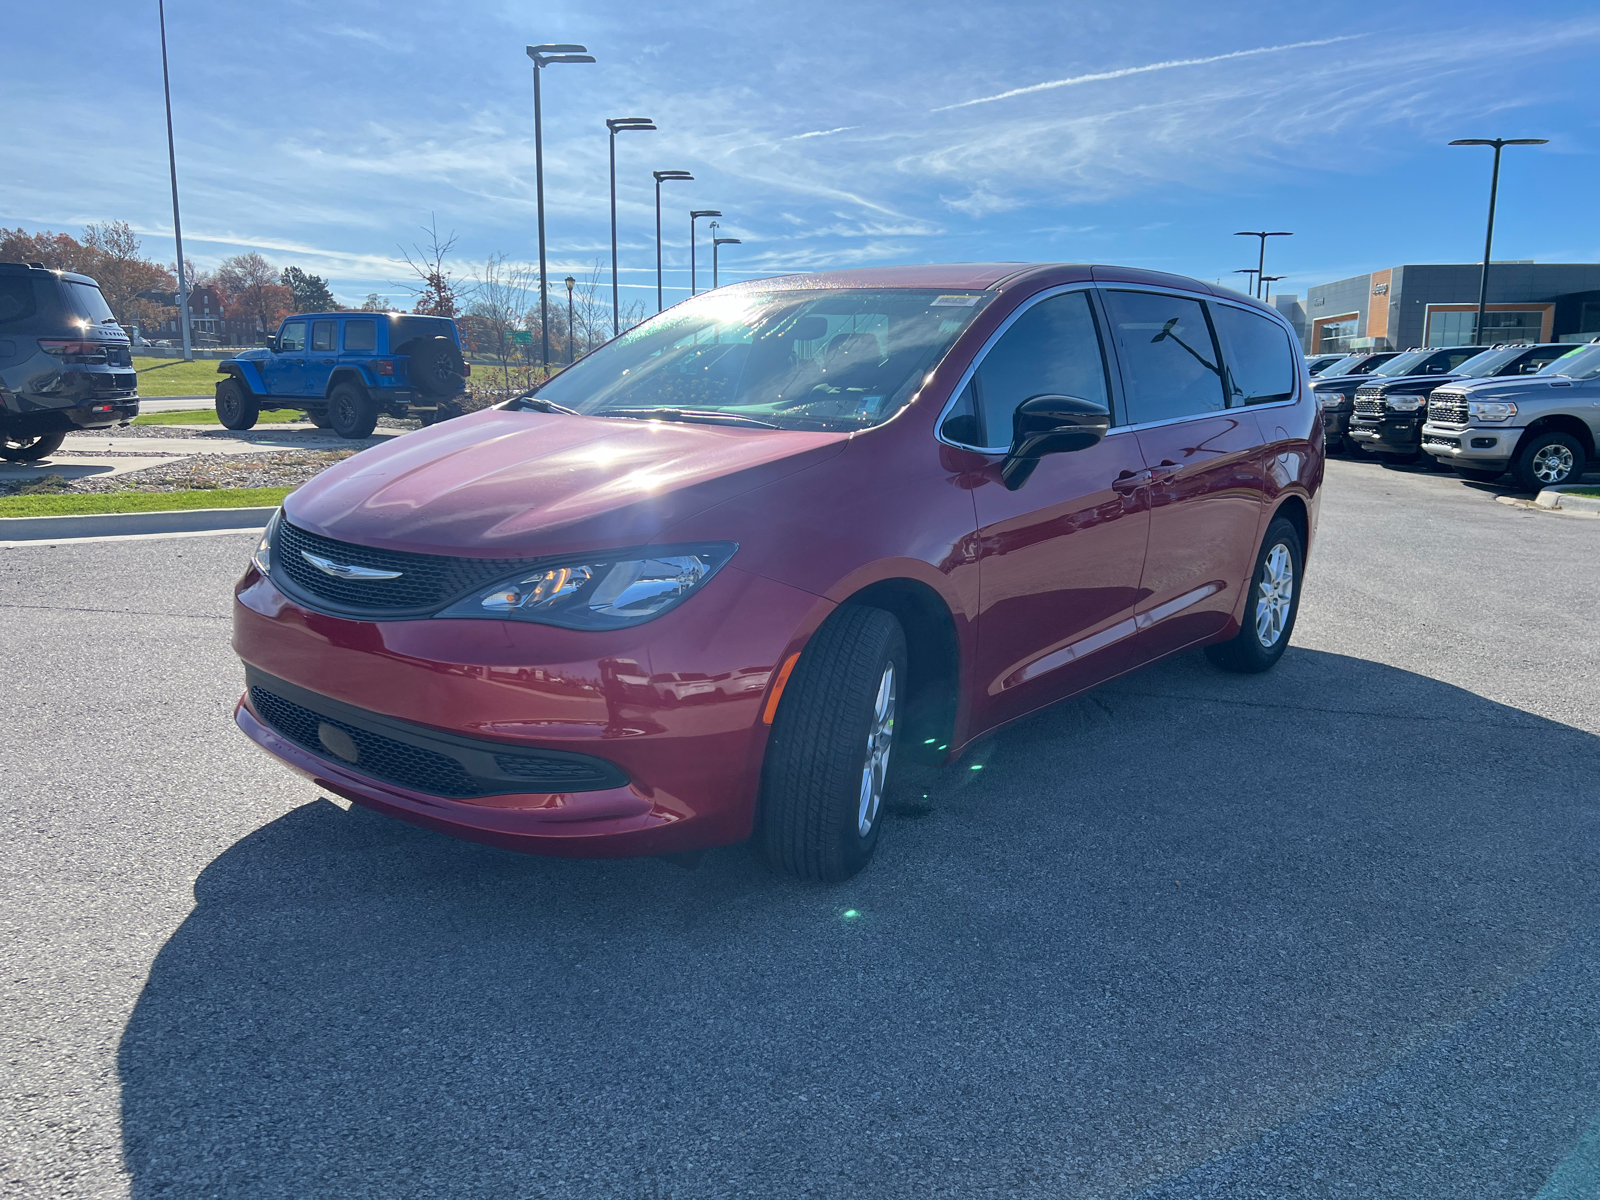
[(1050, 424), (272, 342)]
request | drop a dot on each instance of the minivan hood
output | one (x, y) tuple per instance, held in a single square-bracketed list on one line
[(501, 484)]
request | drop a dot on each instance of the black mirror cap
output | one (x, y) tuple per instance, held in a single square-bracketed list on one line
[(272, 342), (1051, 424)]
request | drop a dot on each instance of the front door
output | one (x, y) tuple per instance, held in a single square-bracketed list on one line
[(1059, 558), (285, 370), (1203, 448)]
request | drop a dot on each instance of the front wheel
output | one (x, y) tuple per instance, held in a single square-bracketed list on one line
[(17, 448), (237, 407), (828, 760), (1549, 460), (1273, 604)]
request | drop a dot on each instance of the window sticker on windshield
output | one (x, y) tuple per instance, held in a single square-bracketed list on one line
[(955, 301)]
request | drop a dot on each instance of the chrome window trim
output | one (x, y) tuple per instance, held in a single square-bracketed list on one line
[(1091, 285)]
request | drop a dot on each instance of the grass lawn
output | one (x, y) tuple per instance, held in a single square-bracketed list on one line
[(1584, 491), (73, 503), (208, 416), (173, 377)]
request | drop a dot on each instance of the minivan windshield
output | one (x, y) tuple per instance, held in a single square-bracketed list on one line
[(837, 359), (1582, 363)]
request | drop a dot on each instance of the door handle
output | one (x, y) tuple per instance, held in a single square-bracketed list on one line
[(1129, 482), (1167, 469), (327, 362)]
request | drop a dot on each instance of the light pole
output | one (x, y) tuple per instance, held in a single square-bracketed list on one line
[(572, 355), (172, 164), (1488, 238), (543, 56), (1266, 286), (717, 244), (695, 215), (1261, 263), (619, 125), (1250, 271), (661, 177)]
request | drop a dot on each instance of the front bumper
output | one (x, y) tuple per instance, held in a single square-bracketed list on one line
[(1388, 434), (674, 704), (1472, 446)]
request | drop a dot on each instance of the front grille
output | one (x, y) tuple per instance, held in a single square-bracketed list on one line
[(1369, 403), (422, 759), (1447, 408), (380, 757), (426, 581)]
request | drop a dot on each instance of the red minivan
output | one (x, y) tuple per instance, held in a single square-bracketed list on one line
[(718, 578)]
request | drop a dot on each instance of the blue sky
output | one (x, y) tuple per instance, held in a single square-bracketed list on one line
[(829, 134)]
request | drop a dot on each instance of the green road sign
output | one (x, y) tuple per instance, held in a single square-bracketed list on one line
[(522, 337)]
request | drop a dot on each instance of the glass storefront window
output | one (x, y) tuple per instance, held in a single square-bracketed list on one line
[(1454, 328)]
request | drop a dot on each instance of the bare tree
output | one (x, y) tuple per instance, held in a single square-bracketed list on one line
[(499, 298), (434, 285), (251, 283)]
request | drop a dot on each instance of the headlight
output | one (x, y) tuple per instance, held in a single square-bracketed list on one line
[(1491, 410), (262, 558), (600, 591), (1332, 399), (1406, 403)]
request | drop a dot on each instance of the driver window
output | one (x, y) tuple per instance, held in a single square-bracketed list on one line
[(293, 337), (1051, 349)]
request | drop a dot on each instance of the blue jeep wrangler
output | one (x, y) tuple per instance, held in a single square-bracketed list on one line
[(346, 368)]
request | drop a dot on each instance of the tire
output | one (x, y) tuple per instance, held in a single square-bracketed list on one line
[(436, 367), (1549, 460), (1477, 476), (1268, 617), (351, 412), (237, 406), (832, 747), (319, 417), (22, 448)]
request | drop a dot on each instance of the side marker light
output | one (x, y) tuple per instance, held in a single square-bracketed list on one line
[(784, 672)]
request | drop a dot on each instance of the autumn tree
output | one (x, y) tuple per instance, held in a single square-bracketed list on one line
[(134, 287), (251, 283), (433, 282)]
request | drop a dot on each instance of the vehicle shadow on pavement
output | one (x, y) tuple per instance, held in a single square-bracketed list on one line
[(1326, 931)]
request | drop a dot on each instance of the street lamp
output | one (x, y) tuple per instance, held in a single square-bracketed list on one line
[(663, 176), (172, 163), (717, 244), (1266, 286), (619, 125), (1488, 238), (1261, 264), (695, 215), (543, 56), (572, 355), (1250, 271)]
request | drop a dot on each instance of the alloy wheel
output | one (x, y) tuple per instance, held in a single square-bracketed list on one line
[(880, 740), (1275, 595), (1552, 464)]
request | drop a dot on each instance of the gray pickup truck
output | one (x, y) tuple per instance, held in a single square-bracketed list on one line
[(1542, 427)]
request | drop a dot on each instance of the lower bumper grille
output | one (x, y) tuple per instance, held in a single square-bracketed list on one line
[(418, 758)]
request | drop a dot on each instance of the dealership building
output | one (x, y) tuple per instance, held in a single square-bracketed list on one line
[(1436, 304)]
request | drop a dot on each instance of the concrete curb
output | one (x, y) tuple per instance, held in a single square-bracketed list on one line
[(1558, 497), (187, 520)]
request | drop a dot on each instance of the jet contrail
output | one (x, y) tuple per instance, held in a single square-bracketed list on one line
[(1160, 66)]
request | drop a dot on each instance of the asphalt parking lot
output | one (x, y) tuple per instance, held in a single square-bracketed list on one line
[(1326, 932)]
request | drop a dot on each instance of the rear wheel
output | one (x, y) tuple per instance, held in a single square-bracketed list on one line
[(20, 448), (318, 417), (1273, 604), (237, 406), (351, 412), (1549, 460), (827, 763)]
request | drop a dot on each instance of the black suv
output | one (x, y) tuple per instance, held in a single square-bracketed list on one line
[(1389, 413), (64, 361)]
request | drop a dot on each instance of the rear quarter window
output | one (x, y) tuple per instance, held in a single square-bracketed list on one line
[(18, 299), (360, 336), (1262, 364)]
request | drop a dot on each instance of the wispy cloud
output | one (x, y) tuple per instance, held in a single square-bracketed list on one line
[(1122, 72), (821, 133)]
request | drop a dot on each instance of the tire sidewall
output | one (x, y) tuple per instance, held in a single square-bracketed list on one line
[(1524, 469), (1280, 532), (858, 850), (348, 412), (41, 446), (235, 406)]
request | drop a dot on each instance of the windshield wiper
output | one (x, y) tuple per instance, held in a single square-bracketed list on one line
[(693, 415), (528, 402)]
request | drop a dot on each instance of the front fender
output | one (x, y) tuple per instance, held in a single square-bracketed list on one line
[(247, 372)]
